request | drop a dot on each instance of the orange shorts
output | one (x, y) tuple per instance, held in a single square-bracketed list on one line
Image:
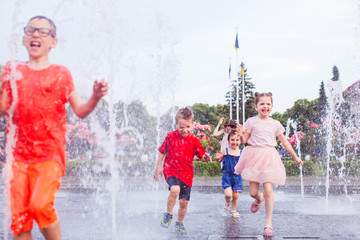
[(33, 188)]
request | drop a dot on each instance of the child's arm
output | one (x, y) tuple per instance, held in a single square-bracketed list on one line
[(81, 109), (206, 158), (158, 171), (244, 135), (219, 156), (216, 130), (4, 99), (289, 149)]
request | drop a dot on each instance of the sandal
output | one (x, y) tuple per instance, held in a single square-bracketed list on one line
[(268, 232), (235, 214), (255, 206)]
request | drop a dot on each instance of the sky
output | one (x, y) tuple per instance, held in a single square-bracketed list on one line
[(169, 53)]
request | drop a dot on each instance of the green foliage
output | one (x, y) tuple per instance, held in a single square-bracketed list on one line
[(249, 96), (205, 114), (302, 111), (207, 169), (322, 104), (292, 169)]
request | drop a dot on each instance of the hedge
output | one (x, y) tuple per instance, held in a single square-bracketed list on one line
[(207, 169)]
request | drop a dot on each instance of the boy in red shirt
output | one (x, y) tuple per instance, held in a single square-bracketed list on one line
[(33, 95), (179, 148)]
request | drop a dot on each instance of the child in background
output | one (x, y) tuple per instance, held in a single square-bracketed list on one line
[(228, 126), (39, 115), (179, 148), (260, 162), (231, 182)]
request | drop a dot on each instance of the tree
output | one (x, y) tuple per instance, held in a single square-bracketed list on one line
[(205, 114), (249, 96), (335, 72), (302, 111), (322, 104)]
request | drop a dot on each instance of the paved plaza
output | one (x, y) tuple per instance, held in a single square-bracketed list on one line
[(134, 211)]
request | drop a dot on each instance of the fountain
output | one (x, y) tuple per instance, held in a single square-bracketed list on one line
[(291, 123), (117, 199)]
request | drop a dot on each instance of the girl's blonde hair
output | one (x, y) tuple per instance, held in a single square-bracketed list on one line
[(259, 95)]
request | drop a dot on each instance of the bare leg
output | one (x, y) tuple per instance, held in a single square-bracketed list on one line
[(269, 202), (228, 195), (182, 209), (254, 191), (52, 232), (235, 200), (174, 193), (23, 236)]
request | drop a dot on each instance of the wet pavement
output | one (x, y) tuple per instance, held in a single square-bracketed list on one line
[(135, 211)]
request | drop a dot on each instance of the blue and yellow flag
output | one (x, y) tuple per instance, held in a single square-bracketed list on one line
[(236, 42), (242, 65), (229, 70)]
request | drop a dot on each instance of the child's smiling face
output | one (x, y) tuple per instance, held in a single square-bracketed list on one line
[(39, 46), (185, 126), (264, 106), (234, 141)]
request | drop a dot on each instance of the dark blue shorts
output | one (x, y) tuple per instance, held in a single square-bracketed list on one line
[(232, 180), (184, 189)]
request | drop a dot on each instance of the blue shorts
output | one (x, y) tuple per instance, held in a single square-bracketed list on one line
[(184, 189), (232, 180)]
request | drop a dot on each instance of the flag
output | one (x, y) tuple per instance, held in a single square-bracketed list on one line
[(242, 65), (242, 71), (236, 42), (229, 69)]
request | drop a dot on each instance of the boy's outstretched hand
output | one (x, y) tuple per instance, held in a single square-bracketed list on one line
[(206, 158), (100, 88)]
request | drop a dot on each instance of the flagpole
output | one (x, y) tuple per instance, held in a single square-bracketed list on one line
[(243, 92), (230, 115), (237, 77)]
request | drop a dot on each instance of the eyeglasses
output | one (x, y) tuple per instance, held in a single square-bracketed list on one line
[(43, 32)]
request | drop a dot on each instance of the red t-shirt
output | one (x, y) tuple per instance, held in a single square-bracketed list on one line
[(39, 114), (179, 154)]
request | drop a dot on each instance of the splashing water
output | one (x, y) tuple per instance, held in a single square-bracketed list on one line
[(293, 124), (10, 144), (137, 59), (336, 145)]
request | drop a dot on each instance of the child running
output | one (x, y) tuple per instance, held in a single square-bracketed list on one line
[(179, 148), (231, 182), (39, 115), (228, 126), (260, 162)]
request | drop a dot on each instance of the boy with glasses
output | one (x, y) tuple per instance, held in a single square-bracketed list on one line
[(34, 94), (179, 148)]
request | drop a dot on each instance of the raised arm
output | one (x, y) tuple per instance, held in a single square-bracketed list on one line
[(82, 109), (289, 149), (216, 130), (244, 135)]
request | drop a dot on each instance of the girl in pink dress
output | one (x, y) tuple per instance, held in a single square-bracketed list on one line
[(260, 162)]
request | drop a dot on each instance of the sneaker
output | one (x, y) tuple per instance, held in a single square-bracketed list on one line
[(165, 222), (180, 227)]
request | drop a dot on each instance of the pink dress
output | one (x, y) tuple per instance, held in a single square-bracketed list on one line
[(260, 162)]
